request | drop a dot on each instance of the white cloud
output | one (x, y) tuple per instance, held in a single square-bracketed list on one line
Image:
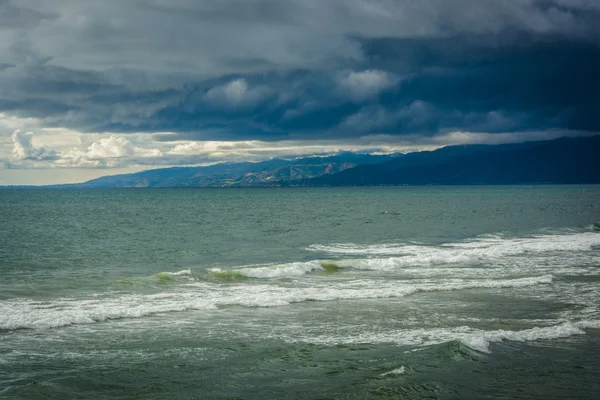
[(24, 149), (233, 92), (366, 84), (204, 147), (256, 150), (57, 139), (137, 153), (236, 93), (108, 152), (113, 146), (117, 147)]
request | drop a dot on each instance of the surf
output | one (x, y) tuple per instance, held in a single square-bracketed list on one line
[(29, 314)]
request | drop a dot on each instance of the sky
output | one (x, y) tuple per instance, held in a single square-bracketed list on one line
[(91, 88)]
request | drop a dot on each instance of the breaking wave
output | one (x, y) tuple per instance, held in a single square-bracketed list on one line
[(397, 371), (24, 313), (480, 250), (159, 277), (166, 276), (271, 271), (481, 341), (475, 339)]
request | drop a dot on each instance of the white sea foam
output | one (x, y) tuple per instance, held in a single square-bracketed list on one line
[(475, 339), (588, 324), (397, 371), (481, 250), (170, 275), (179, 273), (480, 341), (269, 296), (23, 313), (501, 257), (275, 271), (19, 314), (482, 247)]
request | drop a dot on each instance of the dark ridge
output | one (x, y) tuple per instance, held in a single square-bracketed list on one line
[(266, 173), (559, 161)]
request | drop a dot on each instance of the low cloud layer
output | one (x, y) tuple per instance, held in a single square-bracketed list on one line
[(294, 71), (119, 152)]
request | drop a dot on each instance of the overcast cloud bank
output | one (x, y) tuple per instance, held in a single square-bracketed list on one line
[(113, 83)]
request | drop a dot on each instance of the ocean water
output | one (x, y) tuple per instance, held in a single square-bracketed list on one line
[(325, 293)]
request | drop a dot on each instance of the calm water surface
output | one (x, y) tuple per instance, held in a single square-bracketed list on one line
[(328, 293)]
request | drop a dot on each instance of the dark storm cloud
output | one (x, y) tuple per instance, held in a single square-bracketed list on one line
[(301, 69), (14, 16)]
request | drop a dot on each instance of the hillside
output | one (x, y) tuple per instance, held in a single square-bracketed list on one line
[(561, 161), (266, 173)]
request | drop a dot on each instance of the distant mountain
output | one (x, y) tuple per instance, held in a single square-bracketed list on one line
[(564, 160), (273, 172)]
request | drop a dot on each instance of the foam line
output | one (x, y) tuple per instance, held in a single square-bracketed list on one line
[(24, 313)]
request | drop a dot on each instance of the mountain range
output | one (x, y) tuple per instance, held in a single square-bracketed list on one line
[(559, 161), (275, 172)]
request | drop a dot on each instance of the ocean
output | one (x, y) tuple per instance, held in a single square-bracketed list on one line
[(300, 293)]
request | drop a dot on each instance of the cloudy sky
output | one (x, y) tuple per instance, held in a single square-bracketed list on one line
[(90, 88)]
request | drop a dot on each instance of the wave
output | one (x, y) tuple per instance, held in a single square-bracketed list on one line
[(481, 341), (351, 248), (227, 274), (25, 314), (261, 296), (589, 324), (480, 250), (160, 277), (571, 265), (488, 250), (29, 314), (275, 271), (166, 276), (474, 339), (397, 371)]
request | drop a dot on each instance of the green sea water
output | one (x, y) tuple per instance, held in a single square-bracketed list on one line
[(324, 293)]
